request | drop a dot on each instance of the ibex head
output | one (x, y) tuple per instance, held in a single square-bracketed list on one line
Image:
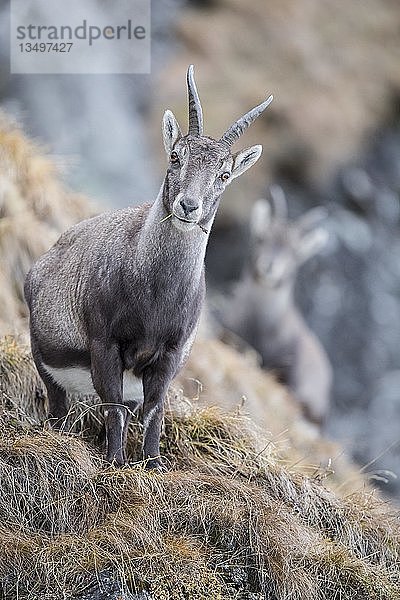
[(279, 246), (200, 167)]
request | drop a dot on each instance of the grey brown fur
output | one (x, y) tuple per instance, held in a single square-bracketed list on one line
[(263, 311), (115, 303)]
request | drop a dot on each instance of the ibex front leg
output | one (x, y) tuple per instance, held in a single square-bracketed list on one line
[(107, 376), (156, 381)]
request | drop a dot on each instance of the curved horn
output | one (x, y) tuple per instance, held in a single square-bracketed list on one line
[(195, 110), (279, 202), (238, 127)]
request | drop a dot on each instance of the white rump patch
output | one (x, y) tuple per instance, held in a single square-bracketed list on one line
[(74, 380), (133, 386), (77, 380)]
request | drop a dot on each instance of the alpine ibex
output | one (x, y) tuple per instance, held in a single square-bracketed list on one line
[(263, 312), (115, 303)]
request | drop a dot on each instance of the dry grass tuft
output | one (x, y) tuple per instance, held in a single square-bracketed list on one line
[(237, 383), (228, 520), (34, 210), (21, 390)]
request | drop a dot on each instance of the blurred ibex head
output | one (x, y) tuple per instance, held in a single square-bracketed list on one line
[(278, 246)]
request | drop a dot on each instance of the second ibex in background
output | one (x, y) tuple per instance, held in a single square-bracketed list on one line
[(263, 312), (115, 303)]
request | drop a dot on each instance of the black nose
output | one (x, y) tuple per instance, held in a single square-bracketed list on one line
[(188, 205)]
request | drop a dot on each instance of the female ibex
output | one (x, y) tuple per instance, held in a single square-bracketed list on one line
[(115, 303), (263, 310)]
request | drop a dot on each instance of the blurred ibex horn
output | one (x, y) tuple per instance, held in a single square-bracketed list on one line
[(278, 202)]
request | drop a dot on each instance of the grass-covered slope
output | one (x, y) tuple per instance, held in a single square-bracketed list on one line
[(237, 516), (227, 521), (219, 375), (35, 209)]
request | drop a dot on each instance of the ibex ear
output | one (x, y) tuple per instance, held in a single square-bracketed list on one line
[(245, 159), (260, 218), (171, 131), (312, 242)]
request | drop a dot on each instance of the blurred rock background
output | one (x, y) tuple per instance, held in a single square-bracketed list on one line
[(331, 137)]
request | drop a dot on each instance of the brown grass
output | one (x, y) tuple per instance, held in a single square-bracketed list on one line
[(35, 209), (236, 383), (229, 519)]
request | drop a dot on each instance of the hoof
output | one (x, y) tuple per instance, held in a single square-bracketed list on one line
[(156, 464)]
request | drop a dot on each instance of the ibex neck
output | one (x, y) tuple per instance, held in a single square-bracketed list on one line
[(274, 302), (161, 243)]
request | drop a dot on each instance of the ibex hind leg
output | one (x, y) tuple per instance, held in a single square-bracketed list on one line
[(57, 399), (156, 381), (134, 408), (56, 395)]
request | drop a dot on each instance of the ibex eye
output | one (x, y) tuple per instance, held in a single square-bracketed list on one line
[(174, 157), (225, 176)]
